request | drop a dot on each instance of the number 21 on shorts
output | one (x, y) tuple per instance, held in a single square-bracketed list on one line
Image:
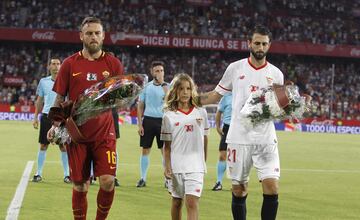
[(231, 155)]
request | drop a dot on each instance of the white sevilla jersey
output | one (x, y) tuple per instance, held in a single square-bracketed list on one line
[(241, 77), (186, 131)]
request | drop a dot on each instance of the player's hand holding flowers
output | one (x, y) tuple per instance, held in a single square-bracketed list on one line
[(115, 92), (276, 102)]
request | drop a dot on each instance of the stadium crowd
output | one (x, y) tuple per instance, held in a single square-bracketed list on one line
[(320, 22), (312, 75)]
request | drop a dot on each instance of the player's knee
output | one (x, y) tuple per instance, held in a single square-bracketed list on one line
[(177, 203), (270, 186), (145, 151), (192, 203), (222, 156), (271, 190), (240, 190), (192, 206), (62, 148), (106, 182), (80, 186), (43, 147)]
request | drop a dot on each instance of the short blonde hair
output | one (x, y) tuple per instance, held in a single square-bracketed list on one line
[(171, 98)]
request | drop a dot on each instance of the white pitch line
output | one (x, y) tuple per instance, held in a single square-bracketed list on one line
[(283, 169), (322, 171), (15, 205)]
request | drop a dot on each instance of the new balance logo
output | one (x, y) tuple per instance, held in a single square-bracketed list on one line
[(177, 123), (242, 77)]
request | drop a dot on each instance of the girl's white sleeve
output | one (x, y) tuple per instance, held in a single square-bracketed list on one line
[(166, 129)]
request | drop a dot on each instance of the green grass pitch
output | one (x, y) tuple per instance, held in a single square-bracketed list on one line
[(320, 179)]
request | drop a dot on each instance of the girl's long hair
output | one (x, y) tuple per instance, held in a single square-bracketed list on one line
[(172, 99)]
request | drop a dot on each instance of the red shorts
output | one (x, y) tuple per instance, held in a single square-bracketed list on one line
[(102, 153)]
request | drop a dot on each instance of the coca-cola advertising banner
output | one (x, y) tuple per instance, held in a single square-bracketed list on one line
[(169, 41), (314, 121), (13, 80), (41, 35)]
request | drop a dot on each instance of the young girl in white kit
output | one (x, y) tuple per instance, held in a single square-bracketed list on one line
[(184, 130)]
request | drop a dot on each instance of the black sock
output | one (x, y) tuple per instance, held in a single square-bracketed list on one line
[(269, 207), (238, 207)]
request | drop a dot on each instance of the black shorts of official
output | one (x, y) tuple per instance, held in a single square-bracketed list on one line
[(45, 125), (223, 144), (152, 128)]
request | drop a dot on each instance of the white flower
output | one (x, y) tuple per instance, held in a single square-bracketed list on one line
[(274, 107), (262, 106)]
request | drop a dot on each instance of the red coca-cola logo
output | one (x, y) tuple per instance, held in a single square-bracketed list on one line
[(330, 48), (355, 52), (322, 122), (117, 36), (47, 35), (13, 80)]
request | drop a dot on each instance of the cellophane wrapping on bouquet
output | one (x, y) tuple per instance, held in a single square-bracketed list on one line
[(114, 92), (263, 106)]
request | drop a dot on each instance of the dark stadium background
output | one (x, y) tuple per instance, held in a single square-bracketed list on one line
[(315, 43)]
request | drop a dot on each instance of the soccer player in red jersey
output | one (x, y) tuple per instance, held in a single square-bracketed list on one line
[(79, 72)]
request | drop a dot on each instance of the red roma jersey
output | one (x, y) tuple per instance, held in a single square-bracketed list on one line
[(76, 74)]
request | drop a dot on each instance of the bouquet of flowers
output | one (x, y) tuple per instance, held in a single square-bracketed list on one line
[(115, 92), (277, 102)]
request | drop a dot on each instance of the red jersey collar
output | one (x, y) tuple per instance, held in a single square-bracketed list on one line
[(188, 112), (257, 68), (101, 56)]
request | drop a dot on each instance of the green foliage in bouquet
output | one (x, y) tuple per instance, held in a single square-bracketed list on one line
[(274, 103), (114, 92), (291, 107), (257, 116)]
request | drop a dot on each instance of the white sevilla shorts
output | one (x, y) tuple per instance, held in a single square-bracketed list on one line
[(183, 184), (241, 158)]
